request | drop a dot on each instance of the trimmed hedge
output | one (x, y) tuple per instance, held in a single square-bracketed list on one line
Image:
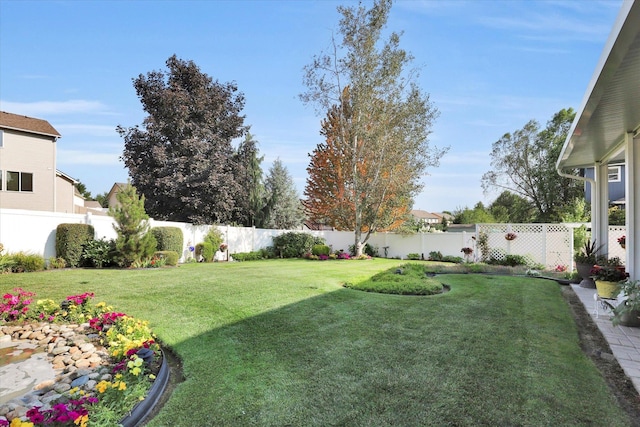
[(170, 257), (320, 250), (168, 239), (70, 239), (248, 256)]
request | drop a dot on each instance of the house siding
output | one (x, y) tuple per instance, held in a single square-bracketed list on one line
[(616, 188), (32, 153)]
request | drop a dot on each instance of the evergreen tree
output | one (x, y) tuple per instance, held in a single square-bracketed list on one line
[(249, 208), (134, 242), (283, 209)]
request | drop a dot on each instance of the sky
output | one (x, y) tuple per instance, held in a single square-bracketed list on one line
[(488, 66)]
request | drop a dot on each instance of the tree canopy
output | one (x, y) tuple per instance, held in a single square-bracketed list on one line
[(181, 158), (366, 173), (282, 208), (524, 163)]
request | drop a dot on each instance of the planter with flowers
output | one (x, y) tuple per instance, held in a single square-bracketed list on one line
[(467, 253), (585, 259), (137, 372), (510, 236), (622, 241), (627, 313), (607, 280)]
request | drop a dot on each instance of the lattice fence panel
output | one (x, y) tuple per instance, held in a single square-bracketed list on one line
[(615, 250), (545, 244)]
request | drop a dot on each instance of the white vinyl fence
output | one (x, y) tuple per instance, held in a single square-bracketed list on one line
[(546, 244)]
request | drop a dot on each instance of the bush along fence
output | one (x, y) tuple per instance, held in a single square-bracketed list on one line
[(549, 245)]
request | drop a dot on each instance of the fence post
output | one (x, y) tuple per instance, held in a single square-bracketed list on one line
[(545, 230)]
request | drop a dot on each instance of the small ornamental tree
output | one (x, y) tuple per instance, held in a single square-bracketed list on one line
[(134, 241)]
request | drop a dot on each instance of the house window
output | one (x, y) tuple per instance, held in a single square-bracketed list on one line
[(1, 141), (19, 181), (614, 173)]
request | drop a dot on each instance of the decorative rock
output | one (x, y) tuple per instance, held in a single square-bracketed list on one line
[(83, 363), (62, 387), (80, 381), (60, 349), (51, 398), (45, 385)]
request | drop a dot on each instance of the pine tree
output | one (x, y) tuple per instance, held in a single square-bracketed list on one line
[(134, 242), (283, 209)]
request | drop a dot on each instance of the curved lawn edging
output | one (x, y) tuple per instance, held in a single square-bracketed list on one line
[(142, 410)]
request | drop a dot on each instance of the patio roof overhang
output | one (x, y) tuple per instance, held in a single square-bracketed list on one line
[(611, 106)]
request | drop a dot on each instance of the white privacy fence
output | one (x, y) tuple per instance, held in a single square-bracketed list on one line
[(546, 244)]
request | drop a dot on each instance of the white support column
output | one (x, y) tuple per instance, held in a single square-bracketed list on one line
[(600, 206), (632, 195)]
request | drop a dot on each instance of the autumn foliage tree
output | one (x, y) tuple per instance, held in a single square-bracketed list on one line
[(366, 173), (384, 180)]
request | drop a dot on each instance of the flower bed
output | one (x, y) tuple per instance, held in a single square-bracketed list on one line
[(109, 388)]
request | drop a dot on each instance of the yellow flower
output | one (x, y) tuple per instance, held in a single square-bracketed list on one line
[(123, 386), (152, 377), (102, 386), (17, 422), (82, 421)]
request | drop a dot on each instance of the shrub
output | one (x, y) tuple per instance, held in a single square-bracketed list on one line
[(435, 256), (25, 263), (248, 256), (510, 260), (320, 250), (170, 257), (99, 253), (168, 238), (214, 236), (268, 253), (453, 259), (205, 250), (413, 256), (56, 263), (295, 244), (69, 241)]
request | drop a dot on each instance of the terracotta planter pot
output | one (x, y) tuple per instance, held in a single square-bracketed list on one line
[(607, 289)]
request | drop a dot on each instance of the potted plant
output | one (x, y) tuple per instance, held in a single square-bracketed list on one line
[(623, 241), (607, 279), (585, 260), (627, 313)]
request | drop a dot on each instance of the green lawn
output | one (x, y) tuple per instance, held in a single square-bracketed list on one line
[(281, 343)]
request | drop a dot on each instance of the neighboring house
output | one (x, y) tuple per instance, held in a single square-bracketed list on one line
[(606, 131), (426, 218), (616, 177), (112, 200), (28, 175)]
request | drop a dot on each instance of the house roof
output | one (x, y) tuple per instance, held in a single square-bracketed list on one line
[(611, 106), (420, 214), (27, 124)]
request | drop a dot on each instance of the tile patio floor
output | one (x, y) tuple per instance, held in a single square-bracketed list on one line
[(623, 340)]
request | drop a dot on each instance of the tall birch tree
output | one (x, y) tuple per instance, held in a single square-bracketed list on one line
[(379, 121)]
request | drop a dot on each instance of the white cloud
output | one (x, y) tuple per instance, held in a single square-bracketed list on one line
[(49, 108)]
